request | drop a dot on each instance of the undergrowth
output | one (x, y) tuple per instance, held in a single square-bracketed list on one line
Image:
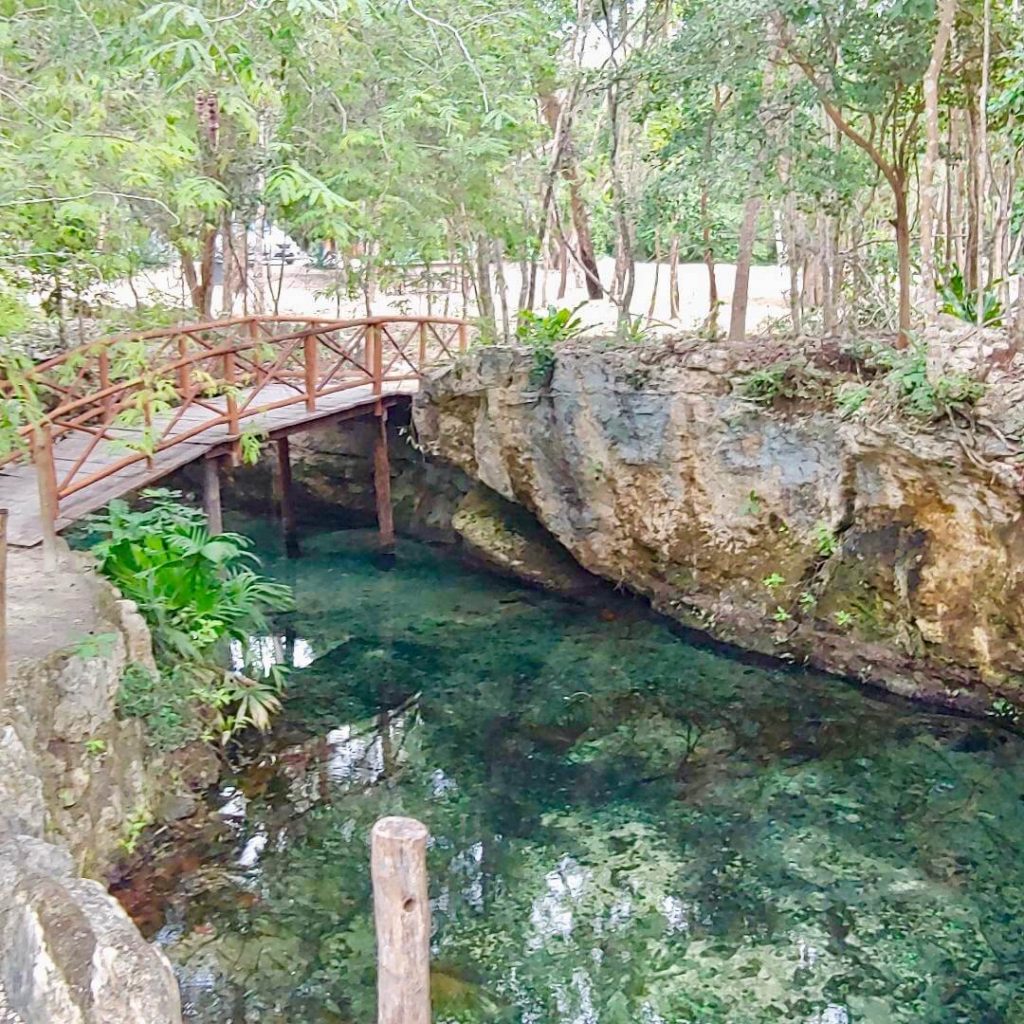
[(542, 332), (899, 376), (201, 596)]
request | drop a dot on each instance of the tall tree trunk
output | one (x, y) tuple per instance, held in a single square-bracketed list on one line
[(709, 252), (485, 297), (558, 121), (657, 273), (745, 255), (792, 262), (200, 278), (235, 283), (673, 279), (502, 286), (972, 191), (928, 190), (903, 262), (982, 154)]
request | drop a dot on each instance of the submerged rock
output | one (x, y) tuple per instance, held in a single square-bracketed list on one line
[(859, 546)]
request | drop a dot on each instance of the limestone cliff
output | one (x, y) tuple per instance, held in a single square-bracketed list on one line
[(73, 777), (860, 546)]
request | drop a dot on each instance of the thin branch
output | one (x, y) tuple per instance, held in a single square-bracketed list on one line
[(462, 46)]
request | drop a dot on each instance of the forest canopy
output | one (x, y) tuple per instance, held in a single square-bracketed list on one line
[(872, 148)]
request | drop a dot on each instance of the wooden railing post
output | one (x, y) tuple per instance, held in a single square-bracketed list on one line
[(184, 376), (3, 601), (49, 500), (421, 365), (462, 337), (401, 912), (309, 356), (377, 365), (105, 380), (230, 380)]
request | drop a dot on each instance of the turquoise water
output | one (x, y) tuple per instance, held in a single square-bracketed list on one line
[(626, 828)]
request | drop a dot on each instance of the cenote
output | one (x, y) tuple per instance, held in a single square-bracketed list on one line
[(625, 827)]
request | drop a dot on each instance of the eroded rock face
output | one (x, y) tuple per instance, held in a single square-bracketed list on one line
[(71, 775), (497, 532), (70, 953), (861, 548)]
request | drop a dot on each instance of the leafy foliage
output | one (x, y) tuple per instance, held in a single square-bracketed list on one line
[(960, 301), (541, 333), (918, 396), (197, 592)]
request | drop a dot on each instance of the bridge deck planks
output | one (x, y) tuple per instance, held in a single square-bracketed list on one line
[(19, 492)]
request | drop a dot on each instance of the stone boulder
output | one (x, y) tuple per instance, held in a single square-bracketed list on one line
[(68, 953)]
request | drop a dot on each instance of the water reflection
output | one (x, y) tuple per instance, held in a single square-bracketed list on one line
[(624, 828)]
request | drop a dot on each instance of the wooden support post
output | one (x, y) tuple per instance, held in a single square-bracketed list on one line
[(49, 501), (401, 912), (211, 494), (184, 375), (285, 498), (422, 364), (3, 601), (231, 405), (382, 483), (463, 338)]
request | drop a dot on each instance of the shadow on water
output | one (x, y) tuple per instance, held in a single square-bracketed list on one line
[(626, 827)]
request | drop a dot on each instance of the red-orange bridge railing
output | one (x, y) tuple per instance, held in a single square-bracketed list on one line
[(153, 390)]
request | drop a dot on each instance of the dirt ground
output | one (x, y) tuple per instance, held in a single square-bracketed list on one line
[(46, 611), (307, 290)]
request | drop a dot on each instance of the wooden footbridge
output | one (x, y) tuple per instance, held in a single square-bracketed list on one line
[(121, 413)]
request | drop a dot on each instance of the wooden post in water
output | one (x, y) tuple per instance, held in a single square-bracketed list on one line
[(3, 600), (382, 483), (49, 501), (285, 498), (401, 912), (211, 494)]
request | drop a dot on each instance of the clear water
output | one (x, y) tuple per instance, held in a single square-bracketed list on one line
[(626, 828)]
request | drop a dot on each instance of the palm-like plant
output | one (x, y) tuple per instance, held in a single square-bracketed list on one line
[(197, 591)]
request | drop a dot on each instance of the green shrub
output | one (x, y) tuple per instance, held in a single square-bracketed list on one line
[(197, 592), (960, 301), (542, 333), (782, 381), (163, 700), (916, 395)]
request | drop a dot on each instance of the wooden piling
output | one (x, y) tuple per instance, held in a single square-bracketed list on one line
[(49, 501), (211, 495), (382, 483), (3, 600), (285, 498), (401, 912)]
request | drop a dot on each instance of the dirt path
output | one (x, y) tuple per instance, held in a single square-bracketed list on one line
[(47, 611)]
